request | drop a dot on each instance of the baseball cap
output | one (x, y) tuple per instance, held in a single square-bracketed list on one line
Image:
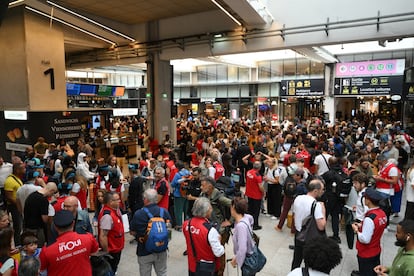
[(373, 194), (63, 218)]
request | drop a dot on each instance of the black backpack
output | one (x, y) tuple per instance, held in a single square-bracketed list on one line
[(344, 185), (225, 184), (289, 187)]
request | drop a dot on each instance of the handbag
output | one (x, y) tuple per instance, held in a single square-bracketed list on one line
[(255, 261), (203, 267), (310, 229)]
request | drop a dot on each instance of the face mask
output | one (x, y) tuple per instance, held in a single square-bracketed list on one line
[(106, 177)]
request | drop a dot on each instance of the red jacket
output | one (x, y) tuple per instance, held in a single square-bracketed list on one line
[(164, 202), (384, 173), (373, 248), (219, 170), (116, 237), (199, 231), (253, 182)]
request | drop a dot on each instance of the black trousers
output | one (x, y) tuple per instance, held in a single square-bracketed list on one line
[(297, 254), (334, 209), (254, 209), (409, 210), (274, 199), (114, 261), (366, 265), (17, 222)]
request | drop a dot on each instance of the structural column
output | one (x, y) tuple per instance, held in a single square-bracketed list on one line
[(32, 75)]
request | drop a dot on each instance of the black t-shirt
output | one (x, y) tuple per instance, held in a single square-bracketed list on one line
[(35, 206)]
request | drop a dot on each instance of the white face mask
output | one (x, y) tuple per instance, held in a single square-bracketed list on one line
[(106, 177)]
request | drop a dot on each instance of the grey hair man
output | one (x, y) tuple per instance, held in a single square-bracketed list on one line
[(138, 229), (202, 239)]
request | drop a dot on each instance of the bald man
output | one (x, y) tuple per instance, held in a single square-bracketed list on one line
[(82, 222)]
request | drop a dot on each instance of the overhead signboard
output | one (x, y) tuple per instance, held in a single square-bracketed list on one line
[(371, 68), (302, 87), (409, 90), (368, 86), (125, 111)]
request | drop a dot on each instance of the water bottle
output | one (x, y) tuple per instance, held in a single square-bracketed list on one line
[(169, 229), (334, 187)]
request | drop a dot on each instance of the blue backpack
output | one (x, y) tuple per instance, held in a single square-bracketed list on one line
[(157, 233)]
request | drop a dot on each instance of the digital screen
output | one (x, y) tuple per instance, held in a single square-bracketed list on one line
[(105, 90), (118, 91), (72, 89), (87, 90)]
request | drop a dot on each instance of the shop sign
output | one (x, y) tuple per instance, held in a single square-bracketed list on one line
[(125, 111), (409, 91), (15, 115), (371, 68), (370, 86), (303, 87)]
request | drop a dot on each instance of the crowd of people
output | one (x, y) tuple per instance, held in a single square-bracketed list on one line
[(220, 176)]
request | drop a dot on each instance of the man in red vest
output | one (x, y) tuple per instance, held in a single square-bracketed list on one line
[(202, 239), (162, 187), (111, 228), (254, 192), (369, 233)]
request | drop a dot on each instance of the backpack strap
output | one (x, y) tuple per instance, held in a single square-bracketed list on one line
[(305, 271), (313, 208), (326, 162), (191, 239), (148, 212)]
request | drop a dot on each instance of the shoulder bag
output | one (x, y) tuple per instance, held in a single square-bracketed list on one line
[(255, 261), (310, 229), (203, 267)]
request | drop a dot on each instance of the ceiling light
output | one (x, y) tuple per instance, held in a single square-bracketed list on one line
[(15, 3), (226, 12), (91, 21), (70, 25)]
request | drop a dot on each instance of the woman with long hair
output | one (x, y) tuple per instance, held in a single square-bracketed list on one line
[(243, 242)]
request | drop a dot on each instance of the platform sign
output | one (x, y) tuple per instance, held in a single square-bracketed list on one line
[(302, 87), (368, 86)]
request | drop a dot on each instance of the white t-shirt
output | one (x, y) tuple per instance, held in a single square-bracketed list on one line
[(322, 165), (24, 191), (410, 185), (302, 208), (5, 170)]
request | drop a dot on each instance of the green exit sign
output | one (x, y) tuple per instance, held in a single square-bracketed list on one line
[(148, 95)]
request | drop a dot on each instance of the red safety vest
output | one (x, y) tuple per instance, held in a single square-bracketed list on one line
[(384, 174), (373, 248), (164, 202), (199, 230), (116, 237)]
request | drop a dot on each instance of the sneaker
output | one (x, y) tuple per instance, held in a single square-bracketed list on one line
[(264, 212), (291, 247), (185, 253), (355, 273), (257, 227), (273, 218), (336, 238)]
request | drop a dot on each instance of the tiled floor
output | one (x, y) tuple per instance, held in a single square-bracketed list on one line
[(273, 244)]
